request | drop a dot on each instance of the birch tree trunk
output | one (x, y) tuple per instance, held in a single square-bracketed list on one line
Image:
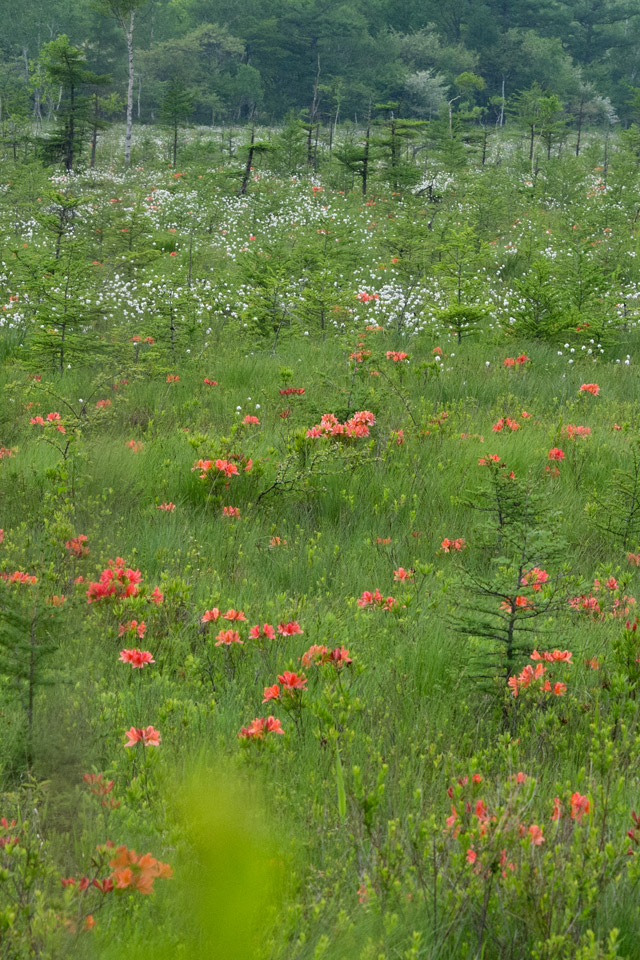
[(127, 139)]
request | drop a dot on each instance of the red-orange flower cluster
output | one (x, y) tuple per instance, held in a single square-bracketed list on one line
[(357, 426), (134, 871), (117, 581), (259, 727)]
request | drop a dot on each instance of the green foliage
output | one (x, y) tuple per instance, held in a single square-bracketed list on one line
[(503, 614), (616, 510), (321, 464), (65, 67)]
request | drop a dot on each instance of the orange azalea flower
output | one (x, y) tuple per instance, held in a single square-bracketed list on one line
[(397, 356), (101, 789), (147, 736), (203, 465), (133, 627), (271, 693), (579, 806), (137, 658), (339, 657), (209, 615), (316, 654), (19, 576), (515, 687), (157, 596), (458, 544), (266, 630), (534, 578), (259, 727), (227, 637), (137, 872), (522, 603), (232, 614), (591, 388), (535, 833), (292, 681), (117, 580), (555, 656), (572, 431), (224, 466)]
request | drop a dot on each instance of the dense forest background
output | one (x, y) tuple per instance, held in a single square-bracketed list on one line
[(213, 61)]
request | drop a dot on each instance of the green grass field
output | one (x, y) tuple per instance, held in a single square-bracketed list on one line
[(447, 580)]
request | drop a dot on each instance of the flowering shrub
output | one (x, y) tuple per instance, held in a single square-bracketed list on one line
[(116, 582), (132, 871), (604, 600), (356, 426), (259, 728)]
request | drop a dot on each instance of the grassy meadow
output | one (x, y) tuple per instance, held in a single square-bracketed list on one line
[(319, 550)]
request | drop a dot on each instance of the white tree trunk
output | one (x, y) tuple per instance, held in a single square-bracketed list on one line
[(127, 139)]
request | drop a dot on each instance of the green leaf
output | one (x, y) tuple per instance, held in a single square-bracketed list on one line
[(342, 796)]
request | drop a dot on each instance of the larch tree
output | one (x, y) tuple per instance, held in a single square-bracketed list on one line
[(65, 67)]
